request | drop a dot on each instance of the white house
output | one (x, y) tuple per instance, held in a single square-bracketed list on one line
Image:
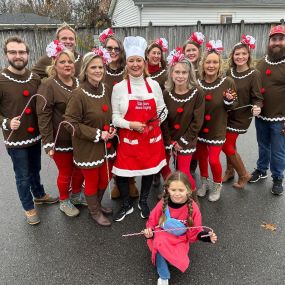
[(126, 13)]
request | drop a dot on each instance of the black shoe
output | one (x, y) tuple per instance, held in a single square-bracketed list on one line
[(256, 175), (124, 211), (144, 209), (277, 188), (156, 180), (193, 166)]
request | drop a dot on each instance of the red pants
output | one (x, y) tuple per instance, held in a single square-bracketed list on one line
[(67, 172), (96, 178), (229, 147), (210, 153), (183, 165)]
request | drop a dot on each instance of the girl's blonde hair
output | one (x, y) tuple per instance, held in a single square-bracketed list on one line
[(191, 82), (50, 70), (177, 176), (85, 62), (203, 60)]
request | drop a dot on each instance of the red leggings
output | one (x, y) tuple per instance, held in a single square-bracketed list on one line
[(210, 153), (96, 178), (67, 172), (229, 147), (183, 164)]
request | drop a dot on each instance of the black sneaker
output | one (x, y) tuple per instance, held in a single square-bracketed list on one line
[(277, 188), (124, 211), (144, 210), (256, 175)]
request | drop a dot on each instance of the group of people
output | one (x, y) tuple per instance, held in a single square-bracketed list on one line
[(126, 110)]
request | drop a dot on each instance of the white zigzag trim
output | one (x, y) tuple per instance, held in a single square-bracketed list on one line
[(4, 127), (211, 141), (63, 148), (68, 90), (18, 81), (228, 103), (95, 96), (77, 59), (236, 130), (48, 145), (169, 147), (273, 63), (184, 141), (214, 87), (23, 142), (187, 150), (241, 77), (98, 136), (183, 100), (115, 74), (272, 119), (157, 75), (94, 163)]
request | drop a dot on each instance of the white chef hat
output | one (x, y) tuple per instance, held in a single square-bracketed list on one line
[(135, 46)]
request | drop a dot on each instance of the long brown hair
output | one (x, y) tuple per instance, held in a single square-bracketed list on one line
[(122, 55), (155, 45), (182, 177)]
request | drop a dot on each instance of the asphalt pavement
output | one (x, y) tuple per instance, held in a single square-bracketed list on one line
[(63, 250)]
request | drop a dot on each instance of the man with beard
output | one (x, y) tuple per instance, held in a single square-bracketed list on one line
[(270, 123), (21, 133), (67, 36)]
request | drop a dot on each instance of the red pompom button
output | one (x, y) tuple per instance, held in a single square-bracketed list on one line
[(176, 126), (30, 130), (262, 90), (180, 110), (28, 111), (115, 83), (106, 128), (205, 130), (108, 145), (105, 108), (208, 97), (207, 117), (26, 93), (268, 71)]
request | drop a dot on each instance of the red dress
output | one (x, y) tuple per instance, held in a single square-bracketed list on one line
[(174, 248), (140, 154)]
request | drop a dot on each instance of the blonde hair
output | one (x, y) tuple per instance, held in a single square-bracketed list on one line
[(88, 57), (231, 62), (203, 60), (191, 81), (65, 26), (50, 70), (145, 71), (177, 176)]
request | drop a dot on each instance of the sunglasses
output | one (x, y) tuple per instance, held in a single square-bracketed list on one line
[(116, 49)]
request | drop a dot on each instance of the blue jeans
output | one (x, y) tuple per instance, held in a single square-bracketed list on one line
[(27, 166), (162, 267), (271, 147)]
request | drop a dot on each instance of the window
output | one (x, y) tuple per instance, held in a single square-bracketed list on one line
[(226, 19)]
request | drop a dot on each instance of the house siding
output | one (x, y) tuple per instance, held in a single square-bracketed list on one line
[(125, 14)]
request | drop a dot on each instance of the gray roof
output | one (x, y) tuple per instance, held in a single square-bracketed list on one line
[(219, 3), (26, 19)]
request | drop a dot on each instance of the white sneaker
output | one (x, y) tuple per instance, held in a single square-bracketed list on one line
[(201, 192), (215, 192), (162, 281), (68, 208)]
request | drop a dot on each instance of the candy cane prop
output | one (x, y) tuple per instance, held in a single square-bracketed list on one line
[(241, 107), (172, 230), (107, 166)]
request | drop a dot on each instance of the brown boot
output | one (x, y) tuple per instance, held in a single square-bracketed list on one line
[(105, 210), (115, 194), (95, 211), (229, 173), (133, 190), (243, 175)]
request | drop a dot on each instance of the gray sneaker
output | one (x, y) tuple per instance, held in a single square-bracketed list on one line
[(215, 192), (78, 199), (32, 217), (68, 208), (201, 192)]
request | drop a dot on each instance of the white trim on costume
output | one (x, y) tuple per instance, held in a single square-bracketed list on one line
[(4, 126), (168, 147), (280, 119), (211, 141), (273, 63), (77, 59), (64, 149), (94, 163), (115, 74), (23, 142), (15, 80), (138, 172), (214, 87), (241, 77), (228, 102), (191, 150), (184, 141), (98, 136), (48, 145), (157, 75), (183, 100), (69, 90), (236, 130), (95, 96)]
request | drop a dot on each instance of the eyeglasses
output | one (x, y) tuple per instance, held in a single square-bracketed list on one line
[(115, 49), (15, 52)]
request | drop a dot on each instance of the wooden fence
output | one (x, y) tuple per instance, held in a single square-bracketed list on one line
[(39, 37)]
